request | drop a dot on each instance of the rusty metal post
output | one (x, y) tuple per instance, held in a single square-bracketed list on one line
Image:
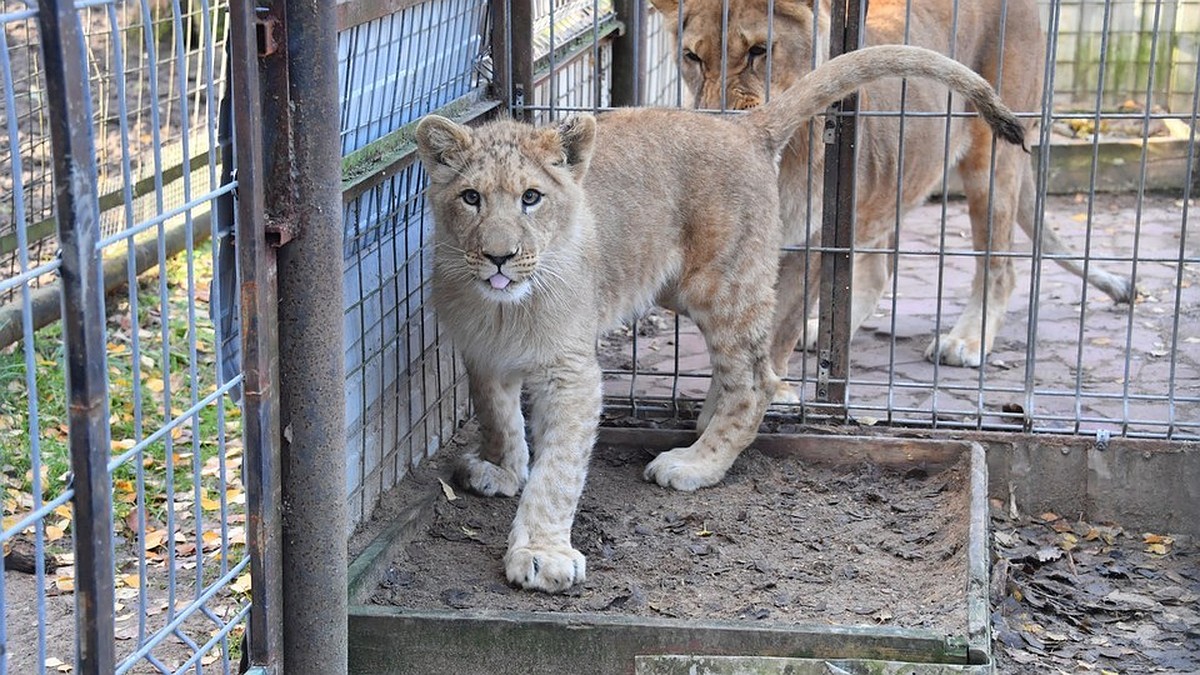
[(68, 103), (512, 54), (304, 202), (260, 352), (629, 55), (837, 227)]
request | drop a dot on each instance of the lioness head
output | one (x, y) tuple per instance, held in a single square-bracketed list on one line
[(504, 196), (750, 32)]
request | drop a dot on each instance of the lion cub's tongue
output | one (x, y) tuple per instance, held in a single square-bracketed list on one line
[(499, 281)]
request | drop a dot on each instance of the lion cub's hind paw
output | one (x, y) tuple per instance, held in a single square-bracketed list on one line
[(684, 469), (954, 351), (551, 569), (485, 478)]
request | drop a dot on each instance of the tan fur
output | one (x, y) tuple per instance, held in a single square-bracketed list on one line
[(1017, 73), (586, 226)]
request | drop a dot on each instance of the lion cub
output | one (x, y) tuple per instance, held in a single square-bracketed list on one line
[(546, 237)]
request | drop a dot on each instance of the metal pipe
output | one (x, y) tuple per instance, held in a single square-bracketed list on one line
[(512, 54), (68, 102), (312, 378), (628, 56)]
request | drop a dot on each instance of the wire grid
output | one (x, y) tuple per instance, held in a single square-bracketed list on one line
[(1067, 359), (572, 57), (663, 86), (152, 107), (1140, 34), (30, 184), (405, 388), (181, 575)]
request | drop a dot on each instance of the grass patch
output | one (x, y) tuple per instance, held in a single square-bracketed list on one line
[(161, 362)]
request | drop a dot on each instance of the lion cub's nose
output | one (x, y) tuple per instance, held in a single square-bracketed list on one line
[(499, 260)]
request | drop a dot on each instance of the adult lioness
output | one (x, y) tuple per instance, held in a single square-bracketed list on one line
[(546, 237), (1000, 39)]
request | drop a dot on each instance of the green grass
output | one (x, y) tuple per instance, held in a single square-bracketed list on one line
[(194, 443)]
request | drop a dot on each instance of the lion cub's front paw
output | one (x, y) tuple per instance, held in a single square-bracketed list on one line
[(545, 568), (488, 479), (684, 469), (955, 351)]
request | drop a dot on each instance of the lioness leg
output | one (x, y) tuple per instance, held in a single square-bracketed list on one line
[(798, 290), (566, 412), (736, 331), (1119, 288), (501, 464), (795, 318), (971, 339)]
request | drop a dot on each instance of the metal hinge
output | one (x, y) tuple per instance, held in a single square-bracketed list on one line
[(519, 101), (829, 134), (824, 363)]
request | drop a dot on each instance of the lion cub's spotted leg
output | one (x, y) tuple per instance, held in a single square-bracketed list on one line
[(501, 465), (971, 339), (736, 331), (565, 414)]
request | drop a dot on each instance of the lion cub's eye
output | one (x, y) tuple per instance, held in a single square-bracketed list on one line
[(691, 56), (470, 197), (531, 197), (757, 51)]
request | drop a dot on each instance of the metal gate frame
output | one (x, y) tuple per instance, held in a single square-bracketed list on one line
[(288, 217)]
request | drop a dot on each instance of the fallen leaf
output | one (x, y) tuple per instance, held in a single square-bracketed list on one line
[(152, 539), (1048, 553), (241, 584), (448, 491)]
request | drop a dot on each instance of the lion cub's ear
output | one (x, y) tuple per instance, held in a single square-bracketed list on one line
[(439, 141), (578, 134)]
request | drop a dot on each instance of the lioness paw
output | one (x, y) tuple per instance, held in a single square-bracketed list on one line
[(684, 469), (551, 569), (955, 351), (488, 479)]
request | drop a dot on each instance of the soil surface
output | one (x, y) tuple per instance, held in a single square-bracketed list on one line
[(1071, 596), (778, 540)]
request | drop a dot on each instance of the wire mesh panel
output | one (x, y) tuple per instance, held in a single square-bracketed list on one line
[(157, 91), (1136, 41), (572, 57), (154, 76), (405, 389)]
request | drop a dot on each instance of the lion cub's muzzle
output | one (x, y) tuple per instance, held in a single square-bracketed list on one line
[(503, 275)]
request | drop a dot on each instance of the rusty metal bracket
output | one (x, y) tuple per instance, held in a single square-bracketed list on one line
[(266, 29), (280, 229)]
